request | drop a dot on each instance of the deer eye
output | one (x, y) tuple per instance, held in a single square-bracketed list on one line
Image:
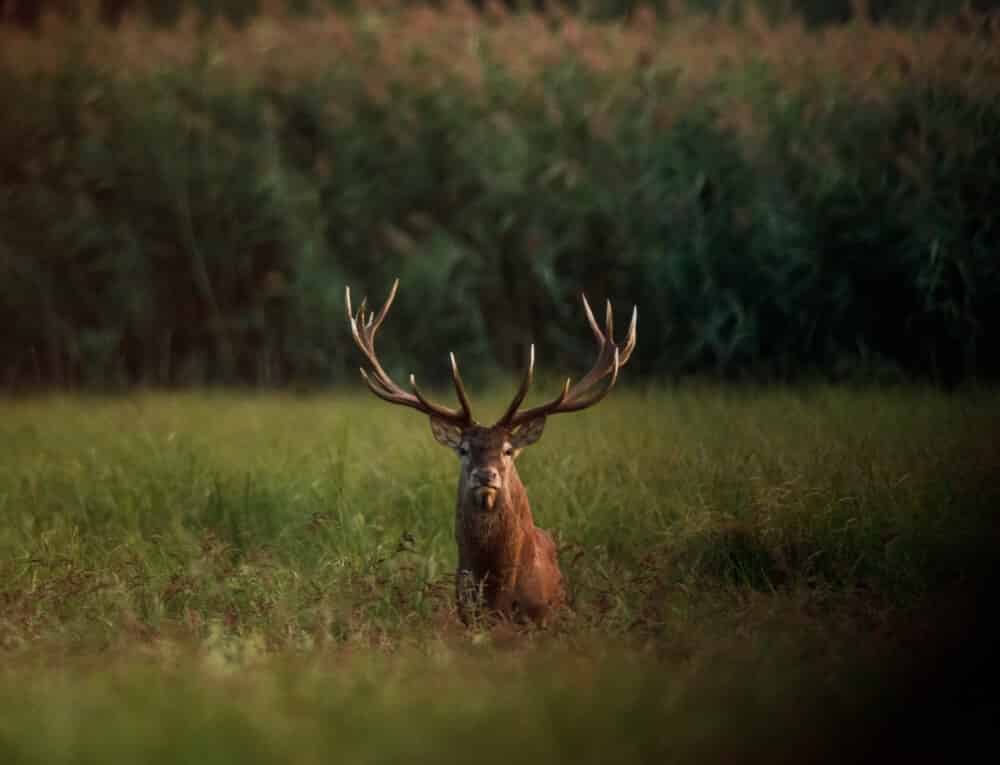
[(463, 450), (508, 451)]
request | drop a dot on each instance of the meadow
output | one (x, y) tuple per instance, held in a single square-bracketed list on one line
[(778, 531), (757, 573)]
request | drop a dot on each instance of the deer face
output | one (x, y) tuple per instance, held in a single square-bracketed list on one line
[(487, 456)]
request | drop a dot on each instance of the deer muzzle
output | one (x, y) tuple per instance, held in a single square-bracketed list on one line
[(485, 484), (486, 497)]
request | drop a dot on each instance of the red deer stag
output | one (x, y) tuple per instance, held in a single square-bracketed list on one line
[(503, 558)]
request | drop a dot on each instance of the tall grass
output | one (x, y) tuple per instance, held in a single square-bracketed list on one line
[(186, 206), (755, 574), (304, 517)]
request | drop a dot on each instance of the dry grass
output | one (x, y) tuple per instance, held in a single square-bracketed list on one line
[(869, 58)]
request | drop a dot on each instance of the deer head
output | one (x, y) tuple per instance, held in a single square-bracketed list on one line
[(487, 453)]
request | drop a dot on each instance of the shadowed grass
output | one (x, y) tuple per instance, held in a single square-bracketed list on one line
[(434, 707)]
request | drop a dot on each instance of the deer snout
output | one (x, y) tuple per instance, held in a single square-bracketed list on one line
[(485, 477)]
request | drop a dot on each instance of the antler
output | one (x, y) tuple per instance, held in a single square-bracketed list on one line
[(610, 358), (364, 326)]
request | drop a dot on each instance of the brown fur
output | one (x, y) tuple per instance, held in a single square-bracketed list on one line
[(505, 562)]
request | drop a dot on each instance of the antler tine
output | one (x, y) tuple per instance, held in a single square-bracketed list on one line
[(363, 330), (522, 391), (463, 397), (630, 337), (592, 321), (427, 403), (610, 359), (384, 394), (385, 308)]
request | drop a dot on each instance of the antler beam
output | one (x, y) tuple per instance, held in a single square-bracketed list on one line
[(364, 326), (584, 394)]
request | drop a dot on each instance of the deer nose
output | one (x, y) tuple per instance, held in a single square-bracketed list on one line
[(486, 476)]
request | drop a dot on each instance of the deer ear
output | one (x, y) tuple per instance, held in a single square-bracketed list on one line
[(446, 434), (528, 433)]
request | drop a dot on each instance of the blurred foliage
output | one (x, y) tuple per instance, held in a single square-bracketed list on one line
[(28, 13), (182, 225)]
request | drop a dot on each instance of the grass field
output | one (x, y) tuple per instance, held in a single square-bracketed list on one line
[(756, 575)]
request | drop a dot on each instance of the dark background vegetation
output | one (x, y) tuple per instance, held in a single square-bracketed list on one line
[(28, 13), (183, 227)]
